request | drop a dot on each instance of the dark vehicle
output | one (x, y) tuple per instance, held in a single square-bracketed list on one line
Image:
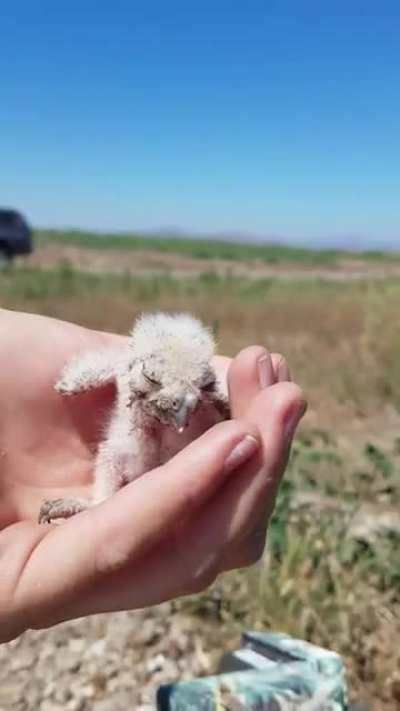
[(15, 235)]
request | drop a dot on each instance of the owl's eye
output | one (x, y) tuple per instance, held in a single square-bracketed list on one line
[(151, 379), (209, 385)]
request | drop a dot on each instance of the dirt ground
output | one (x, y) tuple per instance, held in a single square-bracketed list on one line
[(148, 262)]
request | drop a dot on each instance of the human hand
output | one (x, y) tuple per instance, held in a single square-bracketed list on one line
[(170, 532)]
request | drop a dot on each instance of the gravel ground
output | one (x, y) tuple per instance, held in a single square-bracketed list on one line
[(104, 663)]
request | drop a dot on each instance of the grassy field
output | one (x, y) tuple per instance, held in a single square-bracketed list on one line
[(208, 248), (343, 344)]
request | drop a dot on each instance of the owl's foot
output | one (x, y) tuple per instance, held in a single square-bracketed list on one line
[(61, 508)]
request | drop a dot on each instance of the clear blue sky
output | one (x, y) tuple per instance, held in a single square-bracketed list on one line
[(273, 118)]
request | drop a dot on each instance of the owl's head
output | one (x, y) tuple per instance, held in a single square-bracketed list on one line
[(171, 370)]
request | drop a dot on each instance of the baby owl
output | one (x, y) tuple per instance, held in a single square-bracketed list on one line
[(163, 375)]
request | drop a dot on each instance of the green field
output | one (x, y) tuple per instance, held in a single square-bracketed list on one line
[(208, 248)]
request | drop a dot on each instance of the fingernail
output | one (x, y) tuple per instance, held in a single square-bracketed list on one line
[(263, 372), (241, 453), (293, 419)]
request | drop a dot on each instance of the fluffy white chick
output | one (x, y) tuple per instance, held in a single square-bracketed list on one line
[(164, 376)]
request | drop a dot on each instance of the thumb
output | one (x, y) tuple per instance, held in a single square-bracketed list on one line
[(140, 515)]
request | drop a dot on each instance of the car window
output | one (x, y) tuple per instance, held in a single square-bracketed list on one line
[(10, 219)]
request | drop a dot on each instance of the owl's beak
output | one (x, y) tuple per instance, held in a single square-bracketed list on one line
[(181, 417)]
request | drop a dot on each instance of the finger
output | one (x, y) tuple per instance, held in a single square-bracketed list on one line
[(277, 412), (74, 560), (230, 530), (281, 368), (221, 365), (249, 373)]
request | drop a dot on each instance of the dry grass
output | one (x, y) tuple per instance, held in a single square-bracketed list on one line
[(343, 344), (342, 340)]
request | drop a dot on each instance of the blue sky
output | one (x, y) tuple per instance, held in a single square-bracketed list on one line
[(271, 118)]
